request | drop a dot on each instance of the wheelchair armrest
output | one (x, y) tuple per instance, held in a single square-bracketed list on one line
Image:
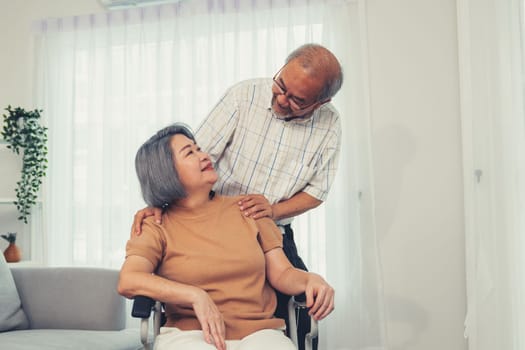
[(294, 305), (142, 307)]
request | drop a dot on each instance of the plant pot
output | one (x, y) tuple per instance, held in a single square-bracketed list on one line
[(12, 253)]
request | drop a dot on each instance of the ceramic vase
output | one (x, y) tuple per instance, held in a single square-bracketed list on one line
[(12, 253)]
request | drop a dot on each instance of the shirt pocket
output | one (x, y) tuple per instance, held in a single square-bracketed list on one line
[(290, 179)]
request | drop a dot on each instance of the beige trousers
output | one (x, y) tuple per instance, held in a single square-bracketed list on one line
[(171, 338)]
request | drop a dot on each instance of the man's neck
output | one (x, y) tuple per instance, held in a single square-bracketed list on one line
[(289, 119)]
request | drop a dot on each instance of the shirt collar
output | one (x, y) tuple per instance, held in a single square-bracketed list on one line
[(299, 120)]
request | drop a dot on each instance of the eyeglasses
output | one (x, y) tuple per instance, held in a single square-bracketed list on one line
[(297, 107)]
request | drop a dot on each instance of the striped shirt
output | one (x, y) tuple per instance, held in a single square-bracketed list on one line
[(253, 151)]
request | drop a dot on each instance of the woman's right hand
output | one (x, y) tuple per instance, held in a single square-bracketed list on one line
[(211, 320), (136, 228), (319, 297)]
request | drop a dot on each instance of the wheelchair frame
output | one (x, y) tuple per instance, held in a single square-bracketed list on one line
[(144, 306)]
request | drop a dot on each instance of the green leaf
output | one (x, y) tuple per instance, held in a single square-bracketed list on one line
[(22, 130)]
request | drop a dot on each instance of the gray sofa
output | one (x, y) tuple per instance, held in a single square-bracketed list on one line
[(66, 308)]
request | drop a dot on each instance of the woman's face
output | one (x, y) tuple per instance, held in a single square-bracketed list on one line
[(193, 166)]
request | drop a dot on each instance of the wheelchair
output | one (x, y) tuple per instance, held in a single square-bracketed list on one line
[(143, 307)]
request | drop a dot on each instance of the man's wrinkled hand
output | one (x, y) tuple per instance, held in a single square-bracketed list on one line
[(136, 228), (256, 206)]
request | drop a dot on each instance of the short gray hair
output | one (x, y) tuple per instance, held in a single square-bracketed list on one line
[(318, 60), (156, 171)]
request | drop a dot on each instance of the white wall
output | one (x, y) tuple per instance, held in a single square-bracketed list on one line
[(417, 154), (16, 76), (16, 67), (413, 69)]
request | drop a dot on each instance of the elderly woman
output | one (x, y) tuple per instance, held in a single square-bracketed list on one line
[(213, 267)]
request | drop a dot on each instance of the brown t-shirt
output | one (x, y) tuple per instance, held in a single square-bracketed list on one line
[(221, 251)]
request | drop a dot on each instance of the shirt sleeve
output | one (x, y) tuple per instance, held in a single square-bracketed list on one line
[(270, 237), (327, 163), (150, 244), (216, 131)]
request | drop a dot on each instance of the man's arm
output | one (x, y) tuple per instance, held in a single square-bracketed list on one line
[(257, 206), (299, 203)]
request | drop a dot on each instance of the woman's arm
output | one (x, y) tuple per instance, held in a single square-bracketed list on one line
[(292, 281), (137, 278)]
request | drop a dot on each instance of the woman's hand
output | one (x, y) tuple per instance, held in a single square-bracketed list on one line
[(137, 278), (292, 281), (211, 320), (319, 297), (136, 228)]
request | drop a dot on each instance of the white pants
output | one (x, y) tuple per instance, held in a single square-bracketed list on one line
[(171, 338)]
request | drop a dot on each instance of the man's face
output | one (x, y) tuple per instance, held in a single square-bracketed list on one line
[(295, 93)]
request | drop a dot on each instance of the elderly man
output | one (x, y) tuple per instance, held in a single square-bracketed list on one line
[(276, 141)]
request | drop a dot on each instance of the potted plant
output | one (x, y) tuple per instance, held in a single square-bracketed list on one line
[(22, 131), (12, 253)]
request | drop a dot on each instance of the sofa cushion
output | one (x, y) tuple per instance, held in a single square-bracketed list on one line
[(63, 339), (71, 297), (11, 314)]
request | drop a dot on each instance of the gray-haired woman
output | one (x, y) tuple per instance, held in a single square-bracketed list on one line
[(213, 267)]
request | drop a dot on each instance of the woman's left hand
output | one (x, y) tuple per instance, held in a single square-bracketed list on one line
[(210, 318), (319, 297)]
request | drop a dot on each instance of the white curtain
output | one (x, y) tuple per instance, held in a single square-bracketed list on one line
[(106, 82), (493, 121)]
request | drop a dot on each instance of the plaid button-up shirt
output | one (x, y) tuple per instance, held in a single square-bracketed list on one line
[(253, 151)]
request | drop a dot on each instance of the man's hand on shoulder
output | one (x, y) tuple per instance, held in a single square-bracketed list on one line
[(136, 228), (256, 206)]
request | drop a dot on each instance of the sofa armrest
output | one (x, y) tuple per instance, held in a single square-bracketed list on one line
[(70, 297)]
